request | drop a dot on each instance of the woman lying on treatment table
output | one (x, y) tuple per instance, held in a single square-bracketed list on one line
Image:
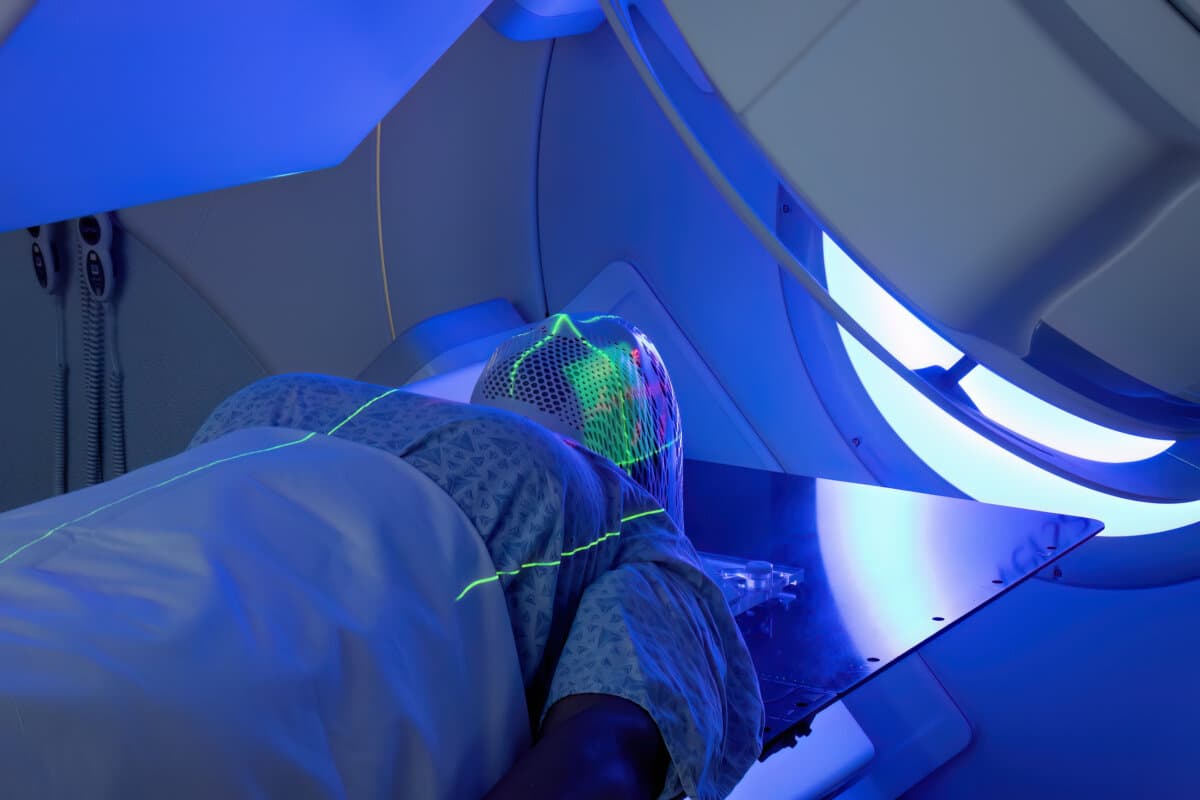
[(339, 589)]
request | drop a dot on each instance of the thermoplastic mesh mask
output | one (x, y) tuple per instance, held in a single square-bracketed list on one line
[(599, 381)]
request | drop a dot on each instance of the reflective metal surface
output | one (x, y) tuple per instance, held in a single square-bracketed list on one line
[(883, 571)]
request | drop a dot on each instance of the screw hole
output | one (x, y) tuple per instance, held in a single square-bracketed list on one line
[(939, 619), (997, 581), (1051, 547), (873, 660), (801, 704)]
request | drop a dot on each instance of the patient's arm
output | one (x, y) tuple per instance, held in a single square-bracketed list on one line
[(592, 746)]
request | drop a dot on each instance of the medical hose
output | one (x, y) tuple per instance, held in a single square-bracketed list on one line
[(93, 378), (60, 401), (115, 400)]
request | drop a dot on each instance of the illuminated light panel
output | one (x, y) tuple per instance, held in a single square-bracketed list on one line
[(987, 472), (971, 462), (1035, 419), (917, 346), (884, 317), (567, 554)]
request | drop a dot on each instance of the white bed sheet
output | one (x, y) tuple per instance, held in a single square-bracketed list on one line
[(267, 615)]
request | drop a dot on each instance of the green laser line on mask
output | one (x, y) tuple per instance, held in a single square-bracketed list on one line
[(647, 456), (559, 319), (624, 414)]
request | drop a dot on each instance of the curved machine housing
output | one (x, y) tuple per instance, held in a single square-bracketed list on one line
[(946, 248), (1049, 206)]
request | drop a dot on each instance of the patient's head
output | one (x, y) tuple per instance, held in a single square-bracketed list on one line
[(599, 381)]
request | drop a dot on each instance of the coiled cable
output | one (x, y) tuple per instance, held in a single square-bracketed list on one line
[(59, 405), (115, 399), (93, 376)]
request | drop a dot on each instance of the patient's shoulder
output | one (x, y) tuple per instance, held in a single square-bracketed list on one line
[(471, 439), (505, 470)]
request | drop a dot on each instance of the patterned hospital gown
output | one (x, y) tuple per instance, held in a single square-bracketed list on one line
[(604, 594)]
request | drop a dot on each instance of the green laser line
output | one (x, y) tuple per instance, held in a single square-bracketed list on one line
[(559, 319), (651, 454), (481, 581), (564, 318), (624, 414), (361, 409), (590, 545), (301, 440), (512, 373), (473, 584), (649, 513), (594, 396), (567, 554), (186, 474), (143, 490)]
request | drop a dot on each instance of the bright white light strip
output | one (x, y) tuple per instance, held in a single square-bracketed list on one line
[(970, 461), (989, 473), (906, 337), (1036, 419), (916, 346)]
